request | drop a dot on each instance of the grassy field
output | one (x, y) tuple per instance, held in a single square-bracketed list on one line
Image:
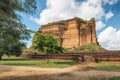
[(20, 61), (107, 66), (115, 78)]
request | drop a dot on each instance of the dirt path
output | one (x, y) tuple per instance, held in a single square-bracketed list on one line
[(77, 72)]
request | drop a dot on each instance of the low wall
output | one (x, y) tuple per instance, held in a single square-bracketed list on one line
[(53, 56), (81, 57)]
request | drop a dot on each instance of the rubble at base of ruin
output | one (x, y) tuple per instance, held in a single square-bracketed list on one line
[(72, 32)]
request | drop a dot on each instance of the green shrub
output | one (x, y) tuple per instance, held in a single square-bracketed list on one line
[(47, 43)]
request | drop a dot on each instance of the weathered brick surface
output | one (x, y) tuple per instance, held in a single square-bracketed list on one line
[(81, 57), (73, 32)]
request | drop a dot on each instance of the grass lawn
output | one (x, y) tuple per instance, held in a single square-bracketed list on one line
[(115, 78), (20, 61), (106, 66)]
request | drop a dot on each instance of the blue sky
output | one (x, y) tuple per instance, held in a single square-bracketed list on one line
[(106, 13)]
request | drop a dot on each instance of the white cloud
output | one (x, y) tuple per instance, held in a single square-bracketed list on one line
[(99, 25), (110, 38), (64, 9), (109, 15), (110, 2)]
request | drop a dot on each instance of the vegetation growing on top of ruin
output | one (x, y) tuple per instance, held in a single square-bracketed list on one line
[(62, 22), (81, 20), (89, 48), (92, 19), (84, 21), (57, 22)]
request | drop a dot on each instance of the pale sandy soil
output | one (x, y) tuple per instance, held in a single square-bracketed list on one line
[(77, 72)]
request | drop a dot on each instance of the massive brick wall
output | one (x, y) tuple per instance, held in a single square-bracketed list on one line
[(73, 32), (54, 29), (70, 36)]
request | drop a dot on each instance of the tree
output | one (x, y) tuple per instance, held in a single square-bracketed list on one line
[(12, 31), (47, 43)]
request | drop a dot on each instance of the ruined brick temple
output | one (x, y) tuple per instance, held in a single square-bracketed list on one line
[(72, 32)]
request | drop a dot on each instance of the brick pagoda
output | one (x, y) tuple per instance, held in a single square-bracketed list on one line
[(72, 32)]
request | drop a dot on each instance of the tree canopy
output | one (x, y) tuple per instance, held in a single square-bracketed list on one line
[(12, 30), (47, 43)]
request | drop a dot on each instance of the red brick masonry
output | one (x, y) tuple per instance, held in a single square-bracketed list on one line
[(72, 32), (81, 57)]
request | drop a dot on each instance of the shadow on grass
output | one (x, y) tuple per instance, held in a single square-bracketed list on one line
[(59, 76), (32, 77), (66, 62), (21, 64), (21, 59)]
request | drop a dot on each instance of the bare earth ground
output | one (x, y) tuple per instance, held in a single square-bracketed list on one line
[(77, 72)]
